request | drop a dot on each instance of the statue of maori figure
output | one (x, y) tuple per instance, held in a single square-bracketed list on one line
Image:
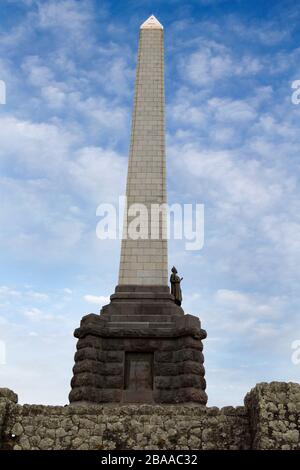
[(175, 286)]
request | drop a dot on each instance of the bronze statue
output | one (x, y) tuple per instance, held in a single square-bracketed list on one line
[(175, 286)]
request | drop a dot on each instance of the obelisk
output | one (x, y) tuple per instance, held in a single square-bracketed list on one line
[(142, 348), (145, 261)]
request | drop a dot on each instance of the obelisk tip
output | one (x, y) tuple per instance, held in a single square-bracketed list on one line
[(152, 23)]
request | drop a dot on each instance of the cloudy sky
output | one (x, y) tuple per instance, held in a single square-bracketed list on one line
[(233, 144)]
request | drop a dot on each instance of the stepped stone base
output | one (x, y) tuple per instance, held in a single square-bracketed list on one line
[(142, 348)]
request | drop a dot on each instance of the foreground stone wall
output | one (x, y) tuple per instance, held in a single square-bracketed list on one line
[(274, 414), (270, 419)]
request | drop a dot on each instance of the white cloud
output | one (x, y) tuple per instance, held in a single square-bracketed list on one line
[(35, 314), (226, 110), (228, 178), (225, 295), (96, 299), (37, 73), (68, 291), (54, 96), (213, 62), (249, 303), (66, 15), (6, 291), (97, 173), (39, 296), (38, 149)]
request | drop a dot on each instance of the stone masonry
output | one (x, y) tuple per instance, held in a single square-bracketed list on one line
[(174, 344), (270, 419), (142, 348), (274, 413), (144, 261)]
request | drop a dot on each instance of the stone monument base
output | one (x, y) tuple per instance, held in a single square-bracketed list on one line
[(142, 348)]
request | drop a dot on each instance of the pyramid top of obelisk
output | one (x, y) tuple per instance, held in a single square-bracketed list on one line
[(152, 23)]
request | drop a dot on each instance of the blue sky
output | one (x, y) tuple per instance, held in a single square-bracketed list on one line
[(233, 144)]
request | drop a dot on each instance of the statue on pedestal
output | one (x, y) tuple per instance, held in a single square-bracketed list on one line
[(175, 286)]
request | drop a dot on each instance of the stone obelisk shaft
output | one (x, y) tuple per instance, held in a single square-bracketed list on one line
[(144, 261)]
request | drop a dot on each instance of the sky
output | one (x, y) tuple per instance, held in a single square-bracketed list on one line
[(233, 144)]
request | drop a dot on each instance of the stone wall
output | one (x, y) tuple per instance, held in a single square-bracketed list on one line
[(270, 419), (274, 414)]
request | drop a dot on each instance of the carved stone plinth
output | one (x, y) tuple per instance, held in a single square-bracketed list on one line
[(142, 348)]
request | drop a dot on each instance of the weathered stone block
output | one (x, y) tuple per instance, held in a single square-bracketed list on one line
[(9, 395), (188, 355)]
